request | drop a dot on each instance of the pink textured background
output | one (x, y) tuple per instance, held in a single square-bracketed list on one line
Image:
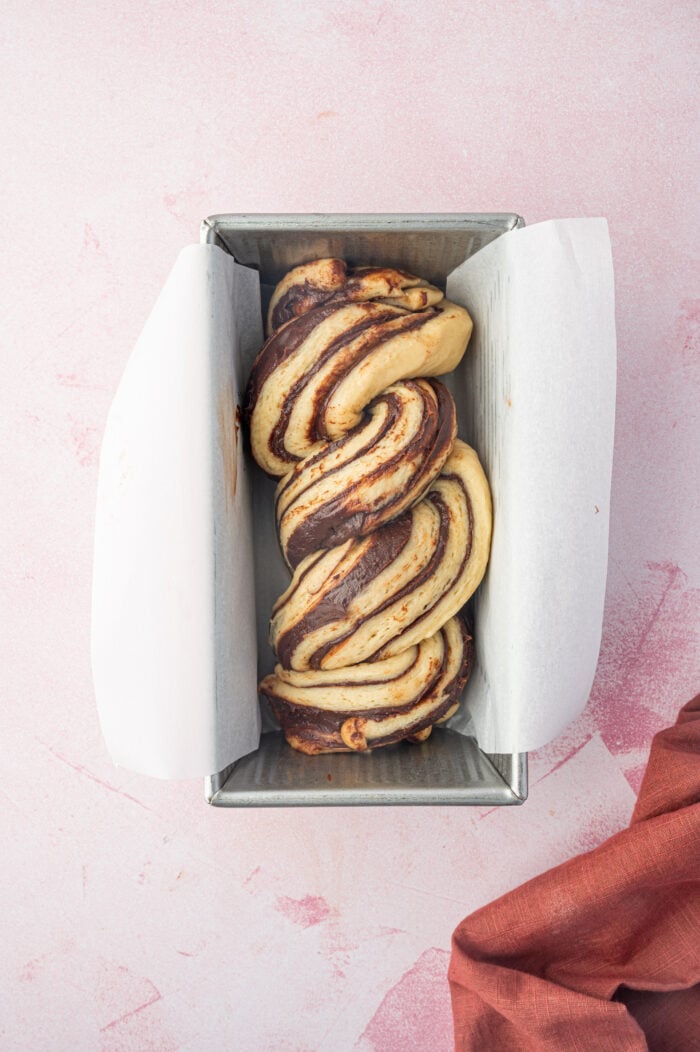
[(134, 916)]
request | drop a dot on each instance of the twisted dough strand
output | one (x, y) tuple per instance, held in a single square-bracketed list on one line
[(375, 596), (350, 487), (374, 704), (316, 373)]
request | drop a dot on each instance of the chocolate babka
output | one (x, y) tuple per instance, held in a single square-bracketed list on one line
[(383, 514)]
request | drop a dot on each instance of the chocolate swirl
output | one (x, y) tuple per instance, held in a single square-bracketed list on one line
[(373, 597), (377, 703), (316, 373), (350, 487), (312, 284), (383, 514)]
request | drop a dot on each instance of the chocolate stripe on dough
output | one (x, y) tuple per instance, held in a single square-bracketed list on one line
[(313, 727), (297, 301), (334, 605), (379, 553), (327, 685), (467, 553), (345, 515), (277, 348), (309, 285), (325, 391), (445, 561), (276, 440), (477, 499), (397, 680), (340, 443), (392, 416), (303, 288), (444, 399), (305, 626)]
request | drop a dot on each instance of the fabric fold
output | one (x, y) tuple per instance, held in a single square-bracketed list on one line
[(602, 952)]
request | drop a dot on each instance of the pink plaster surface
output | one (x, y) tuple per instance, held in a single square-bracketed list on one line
[(134, 917)]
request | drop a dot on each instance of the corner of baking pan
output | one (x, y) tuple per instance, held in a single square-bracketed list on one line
[(513, 769), (213, 783), (209, 235)]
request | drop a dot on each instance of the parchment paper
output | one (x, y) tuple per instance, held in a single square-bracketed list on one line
[(540, 379)]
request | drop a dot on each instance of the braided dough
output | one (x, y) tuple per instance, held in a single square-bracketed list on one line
[(383, 514)]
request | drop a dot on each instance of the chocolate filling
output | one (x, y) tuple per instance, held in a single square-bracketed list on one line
[(407, 322), (303, 297), (310, 462), (277, 435), (336, 520), (319, 728), (467, 553), (278, 347), (382, 549), (393, 403), (427, 571), (282, 602), (365, 682)]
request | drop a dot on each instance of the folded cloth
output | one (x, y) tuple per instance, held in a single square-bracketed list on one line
[(603, 952)]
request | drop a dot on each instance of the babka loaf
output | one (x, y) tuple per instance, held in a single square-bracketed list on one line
[(383, 514)]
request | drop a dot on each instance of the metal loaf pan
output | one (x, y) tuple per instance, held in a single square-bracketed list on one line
[(449, 768)]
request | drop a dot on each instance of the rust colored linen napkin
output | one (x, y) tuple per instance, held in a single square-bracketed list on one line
[(603, 952)]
